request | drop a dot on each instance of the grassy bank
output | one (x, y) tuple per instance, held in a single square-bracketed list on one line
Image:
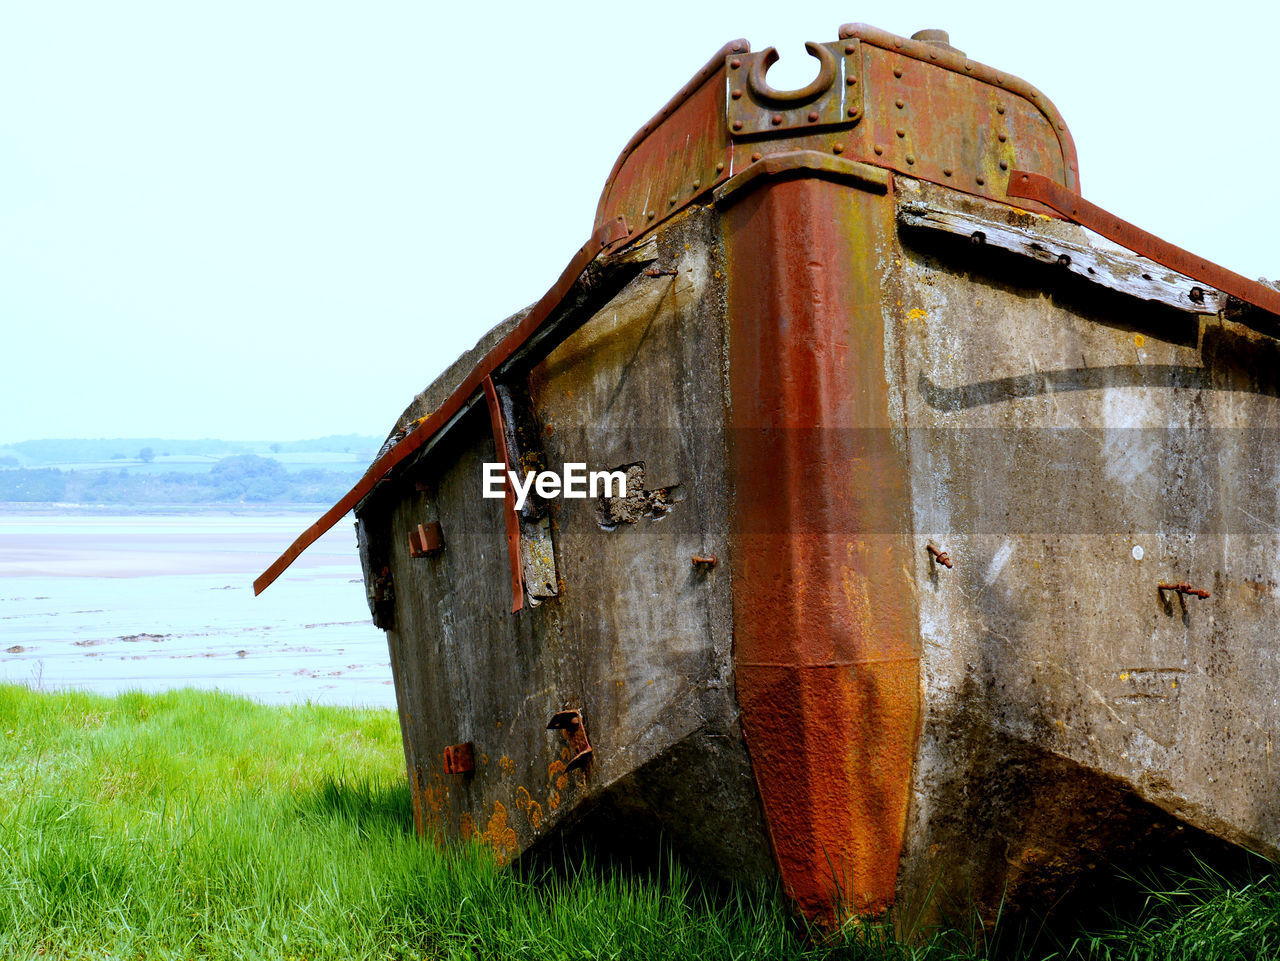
[(193, 824)]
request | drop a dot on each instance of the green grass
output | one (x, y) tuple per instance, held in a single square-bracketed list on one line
[(194, 824)]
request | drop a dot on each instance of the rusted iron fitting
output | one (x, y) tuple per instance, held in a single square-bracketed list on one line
[(700, 560), (939, 556), (575, 732), (660, 272), (460, 758), (1184, 588), (426, 540)]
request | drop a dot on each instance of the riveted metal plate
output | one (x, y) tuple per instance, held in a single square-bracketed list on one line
[(832, 99)]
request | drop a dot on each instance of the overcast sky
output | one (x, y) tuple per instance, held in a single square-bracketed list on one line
[(279, 220)]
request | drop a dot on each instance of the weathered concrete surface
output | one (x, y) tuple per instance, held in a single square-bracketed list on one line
[(1072, 450), (640, 638)]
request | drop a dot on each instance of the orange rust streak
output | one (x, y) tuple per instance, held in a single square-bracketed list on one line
[(826, 644)]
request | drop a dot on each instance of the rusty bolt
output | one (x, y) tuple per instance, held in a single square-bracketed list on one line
[(899, 104), (700, 560), (672, 200), (850, 81), (1000, 107), (939, 556), (946, 171), (1004, 165), (697, 184), (901, 132), (1002, 136), (980, 180), (720, 167), (755, 157), (910, 159), (897, 73), (1184, 588), (852, 111), (736, 94), (650, 214), (849, 48), (813, 116), (839, 148), (776, 119), (879, 149), (737, 125), (735, 63)]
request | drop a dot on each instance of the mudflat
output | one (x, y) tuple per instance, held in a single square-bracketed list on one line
[(112, 602)]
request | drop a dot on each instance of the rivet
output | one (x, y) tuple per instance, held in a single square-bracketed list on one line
[(968, 65), (719, 168), (838, 148), (1003, 137), (898, 44), (735, 63), (650, 215), (980, 181), (910, 159), (850, 81), (813, 116), (897, 73), (852, 111), (697, 184), (1061, 125), (999, 108), (736, 95), (902, 133), (737, 125), (1000, 80), (755, 157), (946, 171), (1004, 165), (879, 149), (776, 119), (849, 48), (672, 200), (933, 55), (899, 104)]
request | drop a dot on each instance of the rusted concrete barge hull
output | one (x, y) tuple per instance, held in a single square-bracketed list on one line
[(945, 566)]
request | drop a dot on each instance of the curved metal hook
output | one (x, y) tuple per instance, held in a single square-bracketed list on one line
[(767, 58)]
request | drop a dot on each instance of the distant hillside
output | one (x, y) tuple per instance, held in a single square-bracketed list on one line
[(51, 452)]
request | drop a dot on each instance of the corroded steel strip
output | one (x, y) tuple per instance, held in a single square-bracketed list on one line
[(952, 59), (826, 642), (508, 497), (1024, 183), (427, 427)]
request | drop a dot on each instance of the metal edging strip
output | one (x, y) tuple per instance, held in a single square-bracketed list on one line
[(508, 497)]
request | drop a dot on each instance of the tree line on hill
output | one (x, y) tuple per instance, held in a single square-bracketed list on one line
[(239, 479)]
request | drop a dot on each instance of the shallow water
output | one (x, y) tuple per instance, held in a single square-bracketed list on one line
[(109, 602)]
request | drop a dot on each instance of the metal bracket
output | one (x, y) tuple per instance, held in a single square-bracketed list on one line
[(460, 758), (832, 99), (426, 540), (575, 732)]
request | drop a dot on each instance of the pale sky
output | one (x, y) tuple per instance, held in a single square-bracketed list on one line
[(280, 220)]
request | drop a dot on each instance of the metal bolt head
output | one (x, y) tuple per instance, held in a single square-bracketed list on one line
[(1003, 136), (736, 94), (1004, 165), (813, 116), (897, 73), (879, 149), (946, 171), (839, 148), (776, 119), (899, 104), (850, 81), (910, 159), (735, 63), (901, 132), (755, 157), (849, 48), (737, 125), (852, 111), (720, 167), (999, 108), (980, 180)]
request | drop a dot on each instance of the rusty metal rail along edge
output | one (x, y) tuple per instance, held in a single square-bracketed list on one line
[(887, 410)]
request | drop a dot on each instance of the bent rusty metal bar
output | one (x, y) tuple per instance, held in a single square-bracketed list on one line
[(1033, 186), (508, 496), (429, 426), (826, 638)]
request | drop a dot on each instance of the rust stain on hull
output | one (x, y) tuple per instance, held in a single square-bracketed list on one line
[(826, 639)]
